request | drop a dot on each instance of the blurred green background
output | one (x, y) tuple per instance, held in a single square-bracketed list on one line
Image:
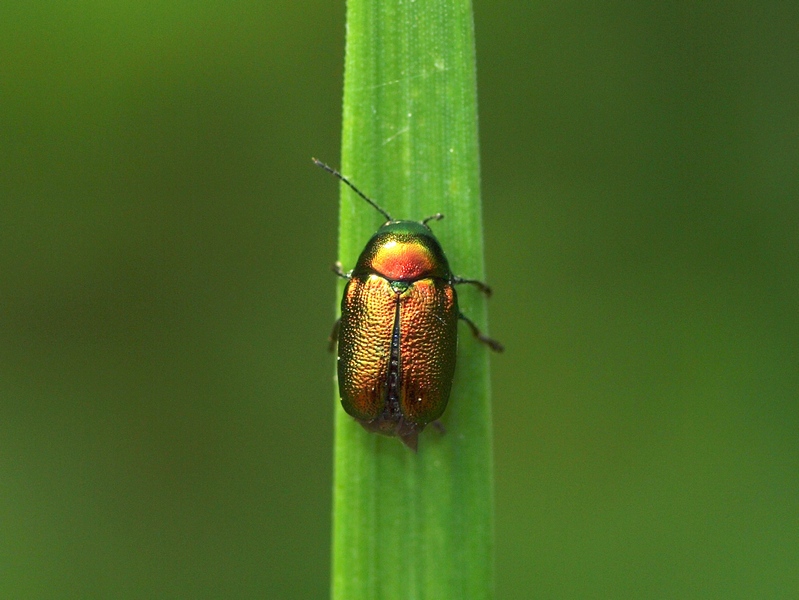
[(165, 297)]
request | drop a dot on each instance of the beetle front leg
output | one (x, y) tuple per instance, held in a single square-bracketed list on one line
[(478, 284), (331, 341), (491, 343), (339, 270)]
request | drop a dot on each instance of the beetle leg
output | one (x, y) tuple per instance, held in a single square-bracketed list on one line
[(410, 439), (439, 426), (331, 341), (339, 270), (478, 284), (491, 343)]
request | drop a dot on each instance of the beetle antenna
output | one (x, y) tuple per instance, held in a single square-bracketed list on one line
[(319, 163), (435, 217)]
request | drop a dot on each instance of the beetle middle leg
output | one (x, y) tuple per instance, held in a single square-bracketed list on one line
[(491, 343), (331, 341)]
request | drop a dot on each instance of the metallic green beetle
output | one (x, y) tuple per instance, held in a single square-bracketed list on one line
[(398, 331)]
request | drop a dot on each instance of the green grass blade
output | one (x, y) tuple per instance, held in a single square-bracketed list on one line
[(416, 525)]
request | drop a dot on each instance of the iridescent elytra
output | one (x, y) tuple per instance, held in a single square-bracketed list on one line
[(398, 332)]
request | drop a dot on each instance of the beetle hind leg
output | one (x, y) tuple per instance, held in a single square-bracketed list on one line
[(410, 439), (490, 342)]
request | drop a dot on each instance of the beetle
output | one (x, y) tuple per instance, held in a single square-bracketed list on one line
[(398, 332)]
